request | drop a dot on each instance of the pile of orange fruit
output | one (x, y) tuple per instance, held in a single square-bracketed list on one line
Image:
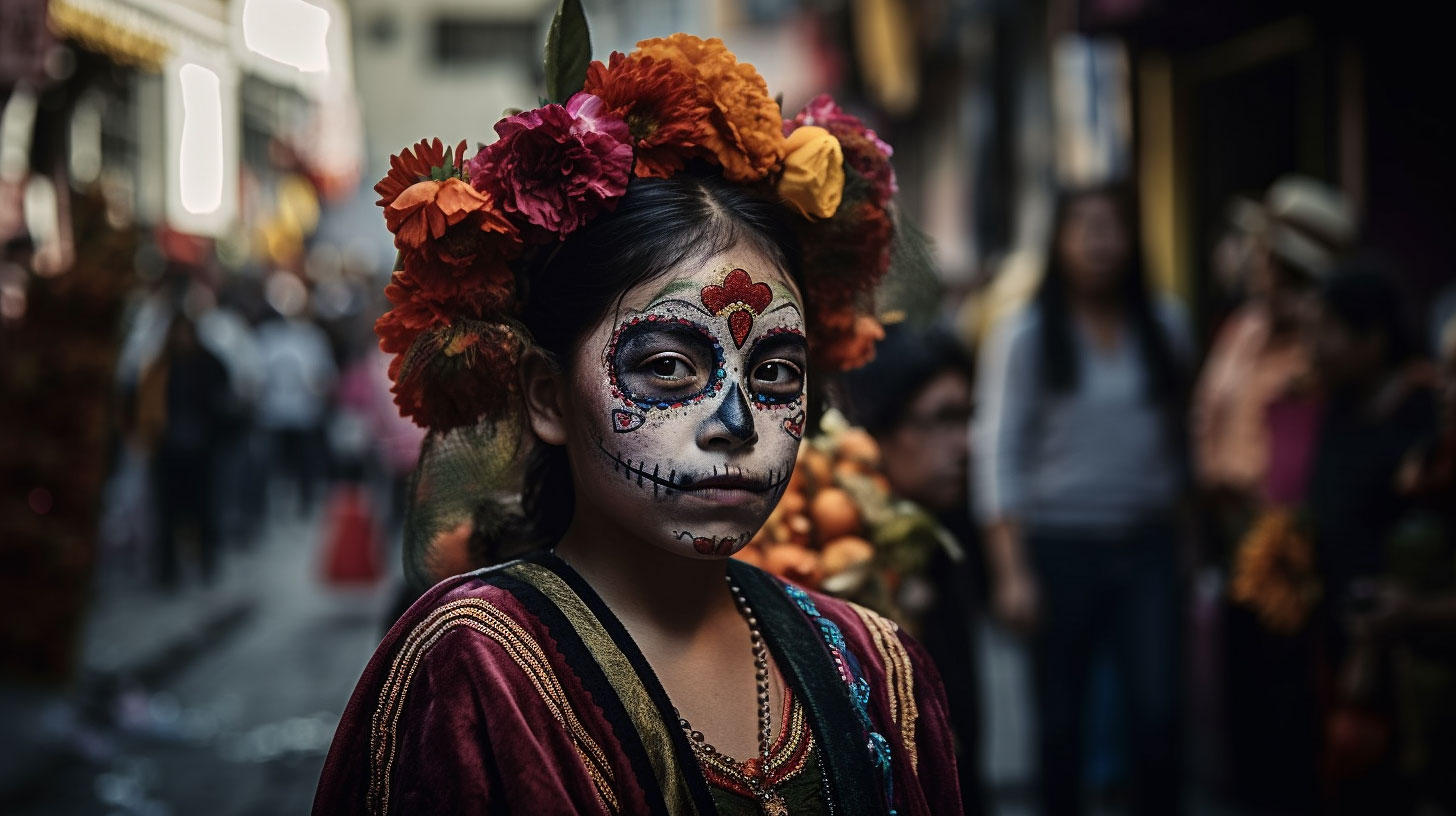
[(818, 530)]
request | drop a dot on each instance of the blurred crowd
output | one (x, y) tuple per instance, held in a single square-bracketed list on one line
[(245, 402), (1232, 567)]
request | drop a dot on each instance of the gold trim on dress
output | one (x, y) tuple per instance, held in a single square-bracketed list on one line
[(899, 676), (657, 740), (518, 644)]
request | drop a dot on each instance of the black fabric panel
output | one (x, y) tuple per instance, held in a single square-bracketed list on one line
[(697, 783), (799, 648)]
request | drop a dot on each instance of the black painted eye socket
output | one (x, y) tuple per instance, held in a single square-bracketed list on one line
[(661, 363), (777, 367), (777, 379)]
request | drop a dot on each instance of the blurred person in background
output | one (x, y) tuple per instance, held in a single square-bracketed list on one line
[(1378, 408), (226, 332), (1255, 413), (1078, 480), (1414, 609), (189, 406), (298, 378), (915, 399), (1259, 356)]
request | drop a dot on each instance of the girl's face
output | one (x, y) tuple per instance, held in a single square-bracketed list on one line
[(688, 404), (1093, 243)]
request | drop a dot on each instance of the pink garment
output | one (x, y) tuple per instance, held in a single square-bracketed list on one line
[(1293, 425), (1247, 371)]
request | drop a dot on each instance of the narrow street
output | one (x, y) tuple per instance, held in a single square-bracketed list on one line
[(251, 714)]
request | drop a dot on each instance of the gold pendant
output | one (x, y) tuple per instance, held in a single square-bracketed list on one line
[(772, 804)]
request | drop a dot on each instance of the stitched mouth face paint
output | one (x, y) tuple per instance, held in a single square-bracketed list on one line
[(694, 407)]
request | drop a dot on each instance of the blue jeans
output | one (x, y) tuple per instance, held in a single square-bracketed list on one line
[(1119, 593)]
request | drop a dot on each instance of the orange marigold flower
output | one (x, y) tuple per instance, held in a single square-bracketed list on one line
[(1274, 573), (745, 129), (414, 165), (426, 210), (661, 105)]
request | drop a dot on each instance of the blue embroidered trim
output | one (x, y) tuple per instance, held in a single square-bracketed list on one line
[(859, 688)]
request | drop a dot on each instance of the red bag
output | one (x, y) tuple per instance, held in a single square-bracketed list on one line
[(351, 539)]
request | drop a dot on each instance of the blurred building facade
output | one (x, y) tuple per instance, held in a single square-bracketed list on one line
[(147, 145)]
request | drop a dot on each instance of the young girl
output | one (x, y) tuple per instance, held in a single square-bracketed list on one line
[(631, 666)]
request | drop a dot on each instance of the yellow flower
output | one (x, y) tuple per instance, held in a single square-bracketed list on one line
[(813, 179)]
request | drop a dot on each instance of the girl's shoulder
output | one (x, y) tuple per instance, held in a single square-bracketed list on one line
[(491, 589)]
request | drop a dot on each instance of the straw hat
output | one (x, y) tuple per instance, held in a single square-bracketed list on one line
[(1310, 223)]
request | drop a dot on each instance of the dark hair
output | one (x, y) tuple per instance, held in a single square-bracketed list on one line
[(1059, 359), (1364, 294), (657, 225), (906, 360)]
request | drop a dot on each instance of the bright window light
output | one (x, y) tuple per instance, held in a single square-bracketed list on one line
[(200, 163), (289, 31)]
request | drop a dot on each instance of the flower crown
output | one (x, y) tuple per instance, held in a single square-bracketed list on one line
[(466, 228)]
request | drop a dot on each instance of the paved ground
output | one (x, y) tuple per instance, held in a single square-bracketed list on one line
[(222, 700), (228, 715)]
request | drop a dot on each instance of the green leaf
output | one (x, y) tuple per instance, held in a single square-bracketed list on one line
[(568, 50)]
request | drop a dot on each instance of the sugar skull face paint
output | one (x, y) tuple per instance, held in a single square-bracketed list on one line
[(692, 410)]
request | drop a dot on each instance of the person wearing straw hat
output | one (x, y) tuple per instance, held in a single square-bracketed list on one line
[(1304, 228)]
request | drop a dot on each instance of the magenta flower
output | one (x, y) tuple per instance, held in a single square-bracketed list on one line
[(863, 149), (556, 167), (824, 112)]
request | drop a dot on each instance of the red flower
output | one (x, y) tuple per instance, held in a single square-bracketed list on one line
[(661, 106), (556, 167), (739, 298), (408, 167), (458, 375), (423, 298)]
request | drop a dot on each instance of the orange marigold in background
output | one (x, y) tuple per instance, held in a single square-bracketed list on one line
[(410, 166), (745, 129), (1274, 573), (661, 105)]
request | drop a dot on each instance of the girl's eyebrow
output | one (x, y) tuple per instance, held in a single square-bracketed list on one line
[(784, 340), (678, 301), (787, 305)]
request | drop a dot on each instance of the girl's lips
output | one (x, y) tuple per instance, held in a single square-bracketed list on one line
[(726, 482), (725, 496)]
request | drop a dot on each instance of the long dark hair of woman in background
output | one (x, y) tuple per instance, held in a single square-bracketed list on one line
[(1079, 476)]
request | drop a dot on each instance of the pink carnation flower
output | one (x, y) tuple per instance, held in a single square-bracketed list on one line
[(824, 112), (557, 167)]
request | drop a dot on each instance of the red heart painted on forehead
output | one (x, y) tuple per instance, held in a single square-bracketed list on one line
[(739, 324), (738, 287)]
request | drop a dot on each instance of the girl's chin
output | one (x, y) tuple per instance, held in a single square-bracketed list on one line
[(707, 547)]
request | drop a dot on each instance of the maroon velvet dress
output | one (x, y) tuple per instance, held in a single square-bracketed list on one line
[(515, 690)]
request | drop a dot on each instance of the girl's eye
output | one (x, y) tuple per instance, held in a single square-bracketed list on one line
[(772, 372), (669, 367), (779, 380)]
